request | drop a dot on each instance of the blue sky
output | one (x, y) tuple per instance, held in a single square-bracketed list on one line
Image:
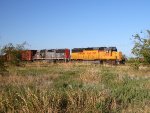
[(73, 23)]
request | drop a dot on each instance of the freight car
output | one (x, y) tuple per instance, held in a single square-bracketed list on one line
[(3, 57), (101, 54), (27, 55)]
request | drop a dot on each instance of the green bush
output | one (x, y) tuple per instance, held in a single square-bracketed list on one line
[(3, 69)]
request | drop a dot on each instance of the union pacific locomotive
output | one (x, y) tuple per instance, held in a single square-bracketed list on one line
[(100, 54)]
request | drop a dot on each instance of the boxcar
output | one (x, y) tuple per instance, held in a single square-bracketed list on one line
[(27, 55)]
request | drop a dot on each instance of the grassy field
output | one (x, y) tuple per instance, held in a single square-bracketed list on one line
[(75, 88)]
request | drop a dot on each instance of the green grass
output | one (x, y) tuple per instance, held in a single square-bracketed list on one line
[(66, 88)]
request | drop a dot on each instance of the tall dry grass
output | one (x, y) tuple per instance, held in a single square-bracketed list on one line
[(75, 87)]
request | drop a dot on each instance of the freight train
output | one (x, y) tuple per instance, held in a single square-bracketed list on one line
[(99, 54)]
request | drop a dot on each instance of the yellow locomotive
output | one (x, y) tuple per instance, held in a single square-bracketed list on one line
[(101, 54)]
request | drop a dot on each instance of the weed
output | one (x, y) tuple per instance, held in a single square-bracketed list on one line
[(75, 87)]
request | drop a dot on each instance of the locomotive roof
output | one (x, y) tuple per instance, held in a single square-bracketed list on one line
[(90, 48), (95, 48), (78, 48)]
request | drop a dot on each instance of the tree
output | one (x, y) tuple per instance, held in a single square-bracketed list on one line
[(13, 52), (141, 47), (3, 70)]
